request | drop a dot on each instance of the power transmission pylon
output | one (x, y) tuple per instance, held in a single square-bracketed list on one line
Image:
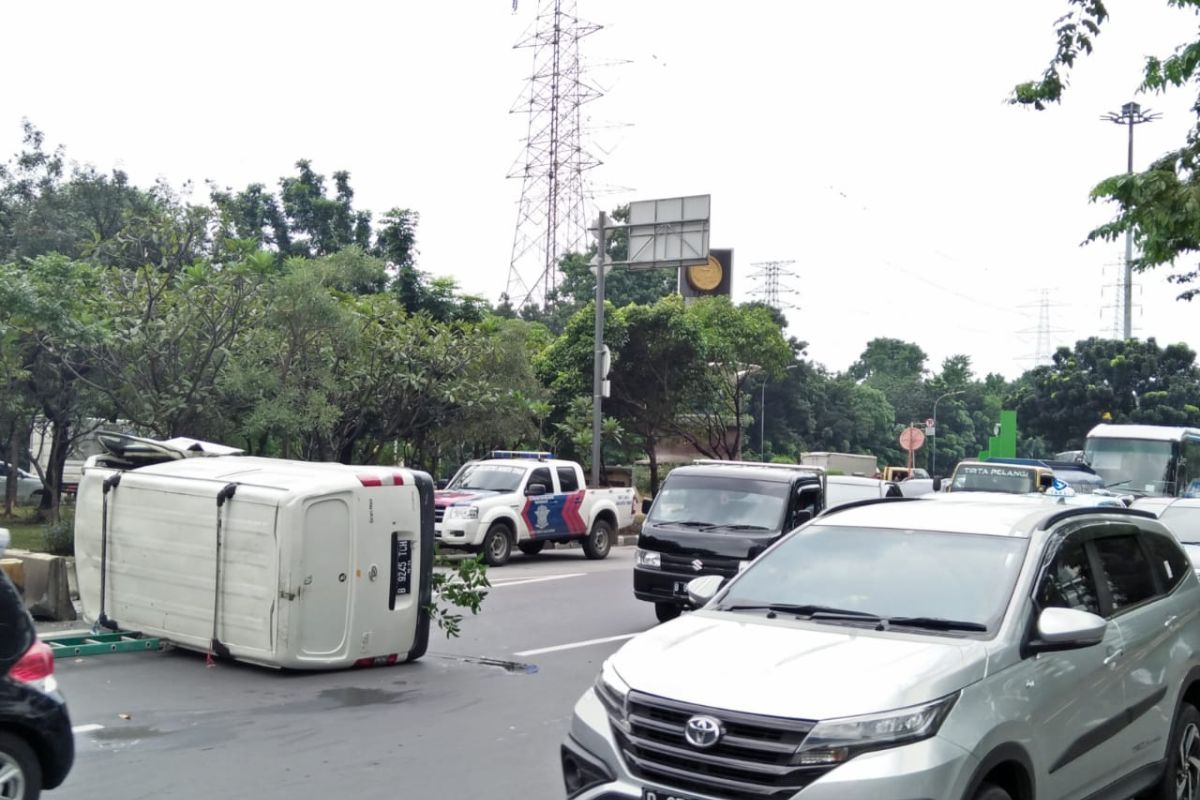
[(1043, 353), (770, 289), (552, 217)]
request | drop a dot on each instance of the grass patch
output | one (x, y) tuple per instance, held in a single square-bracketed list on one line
[(27, 532)]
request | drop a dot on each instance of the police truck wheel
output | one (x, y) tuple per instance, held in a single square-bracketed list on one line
[(20, 771), (497, 545), (666, 611), (531, 548), (599, 541)]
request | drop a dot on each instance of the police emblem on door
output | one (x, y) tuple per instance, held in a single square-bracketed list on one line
[(543, 516)]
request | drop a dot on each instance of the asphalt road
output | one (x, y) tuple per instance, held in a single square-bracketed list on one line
[(479, 716)]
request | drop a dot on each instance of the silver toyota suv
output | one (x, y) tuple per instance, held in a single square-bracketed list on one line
[(898, 649)]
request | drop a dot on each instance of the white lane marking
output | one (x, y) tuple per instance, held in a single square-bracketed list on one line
[(573, 645), (87, 728), (520, 581)]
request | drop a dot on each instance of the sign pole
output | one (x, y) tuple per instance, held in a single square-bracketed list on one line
[(597, 372)]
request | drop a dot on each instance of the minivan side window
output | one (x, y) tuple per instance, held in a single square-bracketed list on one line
[(541, 475), (1069, 582), (1167, 559), (567, 479), (1127, 571)]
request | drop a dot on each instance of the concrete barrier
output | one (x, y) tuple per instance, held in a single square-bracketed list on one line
[(46, 585)]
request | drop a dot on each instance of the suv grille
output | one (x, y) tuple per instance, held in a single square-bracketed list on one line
[(438, 513), (755, 759), (713, 565)]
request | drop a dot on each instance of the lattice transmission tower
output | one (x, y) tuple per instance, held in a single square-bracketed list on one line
[(1043, 353), (771, 288), (552, 216)]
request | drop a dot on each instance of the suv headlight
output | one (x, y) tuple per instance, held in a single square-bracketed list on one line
[(462, 512), (833, 741), (613, 692), (645, 558)]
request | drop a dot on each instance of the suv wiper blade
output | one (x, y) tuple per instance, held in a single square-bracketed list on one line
[(739, 527), (932, 623), (810, 611), (690, 523)]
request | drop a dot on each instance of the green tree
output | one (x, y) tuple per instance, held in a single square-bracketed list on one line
[(1159, 204)]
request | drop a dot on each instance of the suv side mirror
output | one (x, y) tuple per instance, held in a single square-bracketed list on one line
[(441, 484), (937, 484), (1068, 629), (535, 489), (646, 503), (701, 590), (802, 516)]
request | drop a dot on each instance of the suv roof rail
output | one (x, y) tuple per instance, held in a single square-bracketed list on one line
[(870, 501), (718, 462), (1080, 511)]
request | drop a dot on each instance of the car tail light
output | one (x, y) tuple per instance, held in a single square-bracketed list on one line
[(36, 667)]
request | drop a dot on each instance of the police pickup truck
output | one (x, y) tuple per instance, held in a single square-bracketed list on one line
[(524, 499)]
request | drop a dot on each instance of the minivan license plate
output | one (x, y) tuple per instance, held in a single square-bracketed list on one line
[(659, 794), (401, 569)]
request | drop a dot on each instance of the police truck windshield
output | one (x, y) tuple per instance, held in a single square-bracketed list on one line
[(989, 478), (490, 478)]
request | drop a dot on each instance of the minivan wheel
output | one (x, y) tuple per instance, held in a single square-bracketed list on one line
[(20, 772), (666, 611), (990, 791), (1182, 777)]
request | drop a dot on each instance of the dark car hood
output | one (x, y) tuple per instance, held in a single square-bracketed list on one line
[(698, 542)]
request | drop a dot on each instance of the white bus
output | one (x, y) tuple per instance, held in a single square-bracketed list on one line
[(1146, 460)]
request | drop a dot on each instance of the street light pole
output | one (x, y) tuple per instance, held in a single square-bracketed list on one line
[(1131, 114), (933, 448), (597, 370)]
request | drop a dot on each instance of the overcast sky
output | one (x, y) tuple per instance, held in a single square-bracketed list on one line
[(869, 142)]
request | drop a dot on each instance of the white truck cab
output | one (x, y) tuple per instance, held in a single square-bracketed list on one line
[(525, 499)]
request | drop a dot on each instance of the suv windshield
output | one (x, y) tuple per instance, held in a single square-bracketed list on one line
[(988, 478), (490, 478), (720, 502), (1138, 466), (886, 573)]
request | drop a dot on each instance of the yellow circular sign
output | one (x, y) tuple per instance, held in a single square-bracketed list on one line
[(706, 277)]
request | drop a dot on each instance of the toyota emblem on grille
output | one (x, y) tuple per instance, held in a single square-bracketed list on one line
[(703, 731), (697, 565)]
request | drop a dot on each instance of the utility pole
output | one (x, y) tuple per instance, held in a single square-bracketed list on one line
[(598, 369), (1131, 114)]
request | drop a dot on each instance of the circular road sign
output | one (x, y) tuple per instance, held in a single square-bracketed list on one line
[(912, 439)]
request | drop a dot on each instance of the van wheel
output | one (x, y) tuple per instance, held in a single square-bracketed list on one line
[(1181, 779), (990, 791), (531, 548), (497, 545), (666, 611), (20, 771), (599, 541)]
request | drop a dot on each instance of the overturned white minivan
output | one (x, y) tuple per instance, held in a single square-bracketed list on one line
[(281, 563)]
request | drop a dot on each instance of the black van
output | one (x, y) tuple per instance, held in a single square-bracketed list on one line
[(713, 518)]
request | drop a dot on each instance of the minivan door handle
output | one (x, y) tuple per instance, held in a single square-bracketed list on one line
[(1114, 655)]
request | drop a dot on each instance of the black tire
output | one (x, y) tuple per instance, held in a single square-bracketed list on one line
[(497, 545), (15, 752), (666, 611), (531, 548), (597, 543), (990, 791), (1185, 739)]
